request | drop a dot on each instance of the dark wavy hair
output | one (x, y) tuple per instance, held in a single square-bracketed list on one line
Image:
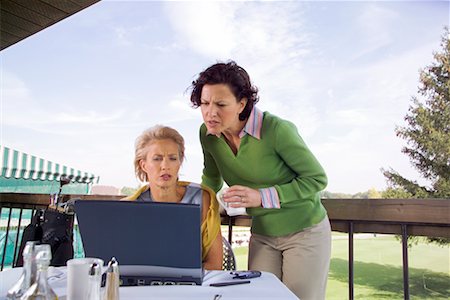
[(232, 75)]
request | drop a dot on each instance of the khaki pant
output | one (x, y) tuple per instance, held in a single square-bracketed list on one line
[(300, 260)]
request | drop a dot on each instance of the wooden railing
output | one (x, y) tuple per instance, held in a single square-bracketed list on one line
[(404, 217), (423, 217)]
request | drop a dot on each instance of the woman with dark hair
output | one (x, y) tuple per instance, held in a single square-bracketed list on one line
[(271, 172)]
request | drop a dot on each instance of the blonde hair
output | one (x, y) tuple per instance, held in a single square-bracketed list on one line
[(149, 135)]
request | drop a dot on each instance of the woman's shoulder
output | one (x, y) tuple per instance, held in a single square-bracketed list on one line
[(274, 125), (195, 186), (136, 195), (200, 193), (202, 130), (271, 119)]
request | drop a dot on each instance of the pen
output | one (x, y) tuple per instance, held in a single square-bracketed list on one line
[(229, 283)]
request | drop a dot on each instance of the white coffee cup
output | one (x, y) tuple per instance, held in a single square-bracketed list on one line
[(231, 211), (78, 277)]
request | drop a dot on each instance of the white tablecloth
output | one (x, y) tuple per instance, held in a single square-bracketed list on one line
[(265, 287)]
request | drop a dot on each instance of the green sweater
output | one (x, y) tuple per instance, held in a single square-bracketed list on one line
[(280, 159)]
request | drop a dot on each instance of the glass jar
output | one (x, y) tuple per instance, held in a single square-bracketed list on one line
[(41, 290), (28, 274)]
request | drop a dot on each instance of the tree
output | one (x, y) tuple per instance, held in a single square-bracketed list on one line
[(373, 194), (428, 131), (396, 193), (128, 191)]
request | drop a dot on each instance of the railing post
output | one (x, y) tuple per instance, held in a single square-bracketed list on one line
[(6, 238), (230, 230), (405, 262), (350, 261), (16, 244)]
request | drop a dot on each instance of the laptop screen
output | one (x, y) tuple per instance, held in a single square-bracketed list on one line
[(165, 236)]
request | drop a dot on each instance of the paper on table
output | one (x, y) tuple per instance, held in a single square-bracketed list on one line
[(55, 274)]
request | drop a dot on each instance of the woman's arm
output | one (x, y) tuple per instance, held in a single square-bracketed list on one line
[(211, 176), (311, 177), (214, 256)]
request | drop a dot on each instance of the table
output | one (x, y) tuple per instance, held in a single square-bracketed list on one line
[(268, 286)]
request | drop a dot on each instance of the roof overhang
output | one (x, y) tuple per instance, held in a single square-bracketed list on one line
[(21, 18), (15, 164)]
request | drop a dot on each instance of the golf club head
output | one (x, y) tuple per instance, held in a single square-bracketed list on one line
[(64, 180)]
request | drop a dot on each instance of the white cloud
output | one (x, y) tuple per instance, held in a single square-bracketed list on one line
[(345, 98), (352, 117), (88, 117), (375, 25), (17, 97), (330, 93), (22, 109), (204, 26), (357, 135), (125, 35), (167, 48), (182, 106), (380, 91), (263, 35), (346, 106), (267, 39), (13, 88)]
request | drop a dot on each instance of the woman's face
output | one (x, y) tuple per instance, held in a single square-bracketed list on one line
[(162, 163), (220, 108)]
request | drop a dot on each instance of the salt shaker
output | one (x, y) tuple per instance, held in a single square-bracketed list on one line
[(94, 282), (29, 272), (112, 280)]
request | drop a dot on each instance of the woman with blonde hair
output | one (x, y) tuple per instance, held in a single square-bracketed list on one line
[(159, 153)]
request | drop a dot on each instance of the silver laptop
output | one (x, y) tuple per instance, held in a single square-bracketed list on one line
[(154, 243)]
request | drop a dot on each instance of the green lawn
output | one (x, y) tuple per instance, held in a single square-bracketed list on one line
[(378, 269)]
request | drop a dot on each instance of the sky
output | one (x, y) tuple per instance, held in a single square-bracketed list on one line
[(81, 91)]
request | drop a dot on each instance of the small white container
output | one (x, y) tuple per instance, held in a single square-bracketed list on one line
[(231, 211), (78, 277)]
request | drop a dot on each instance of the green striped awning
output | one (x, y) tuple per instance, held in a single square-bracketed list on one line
[(19, 165)]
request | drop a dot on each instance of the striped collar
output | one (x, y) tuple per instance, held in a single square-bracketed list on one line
[(252, 127), (254, 124)]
